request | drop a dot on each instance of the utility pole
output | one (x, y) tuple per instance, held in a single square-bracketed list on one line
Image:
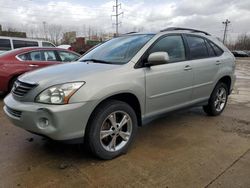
[(116, 15), (44, 30), (226, 23)]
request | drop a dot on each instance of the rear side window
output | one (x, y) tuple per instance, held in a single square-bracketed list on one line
[(50, 56), (23, 43), (197, 47), (5, 44), (173, 45), (217, 50), (32, 56), (210, 50)]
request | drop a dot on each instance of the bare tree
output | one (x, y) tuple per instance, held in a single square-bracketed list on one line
[(54, 33)]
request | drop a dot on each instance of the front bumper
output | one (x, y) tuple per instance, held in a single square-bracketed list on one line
[(58, 122)]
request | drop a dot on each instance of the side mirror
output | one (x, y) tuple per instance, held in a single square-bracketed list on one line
[(157, 58)]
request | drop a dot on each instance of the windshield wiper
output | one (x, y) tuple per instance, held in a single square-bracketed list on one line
[(96, 61)]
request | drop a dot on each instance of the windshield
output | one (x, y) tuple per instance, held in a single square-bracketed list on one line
[(119, 50)]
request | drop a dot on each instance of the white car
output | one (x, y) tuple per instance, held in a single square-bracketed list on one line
[(10, 43)]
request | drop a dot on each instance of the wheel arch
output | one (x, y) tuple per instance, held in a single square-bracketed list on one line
[(129, 98), (226, 80)]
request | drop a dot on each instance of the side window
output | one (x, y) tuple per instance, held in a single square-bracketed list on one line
[(31, 43), (197, 47), (49, 56), (24, 57), (173, 45), (35, 56), (5, 44), (19, 43), (47, 44), (23, 43), (217, 50), (211, 51), (67, 56)]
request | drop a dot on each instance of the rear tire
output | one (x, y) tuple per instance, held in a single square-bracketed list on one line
[(217, 101), (111, 129)]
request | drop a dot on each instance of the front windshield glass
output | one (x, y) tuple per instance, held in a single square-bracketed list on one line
[(119, 50)]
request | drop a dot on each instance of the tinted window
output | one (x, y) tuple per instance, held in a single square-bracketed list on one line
[(197, 47), (217, 50), (36, 56), (5, 44), (173, 45), (210, 50), (67, 56), (49, 56), (23, 43), (47, 44)]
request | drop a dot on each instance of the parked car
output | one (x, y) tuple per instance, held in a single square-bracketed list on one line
[(19, 61), (247, 52), (239, 53), (118, 85), (10, 43)]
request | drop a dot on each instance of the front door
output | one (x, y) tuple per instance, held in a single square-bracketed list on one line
[(169, 86)]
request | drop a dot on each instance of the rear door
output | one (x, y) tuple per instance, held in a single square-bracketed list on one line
[(205, 66), (169, 86)]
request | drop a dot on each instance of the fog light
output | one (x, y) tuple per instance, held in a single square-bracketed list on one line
[(43, 123)]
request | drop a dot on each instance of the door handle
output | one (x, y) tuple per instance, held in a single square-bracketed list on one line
[(33, 65), (218, 62), (187, 67)]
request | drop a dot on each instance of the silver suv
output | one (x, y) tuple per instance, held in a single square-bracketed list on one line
[(115, 87)]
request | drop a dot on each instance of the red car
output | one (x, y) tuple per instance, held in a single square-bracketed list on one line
[(19, 61)]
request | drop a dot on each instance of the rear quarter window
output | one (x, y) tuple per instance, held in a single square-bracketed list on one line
[(217, 50)]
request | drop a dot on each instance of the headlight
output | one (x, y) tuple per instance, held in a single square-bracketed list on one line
[(59, 94)]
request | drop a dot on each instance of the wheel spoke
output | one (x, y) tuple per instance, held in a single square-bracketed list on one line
[(124, 135), (112, 144), (223, 99), (123, 121), (106, 133), (216, 102), (112, 119)]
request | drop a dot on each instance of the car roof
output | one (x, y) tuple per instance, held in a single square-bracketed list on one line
[(20, 38)]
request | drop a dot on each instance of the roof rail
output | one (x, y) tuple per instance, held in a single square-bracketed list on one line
[(185, 29)]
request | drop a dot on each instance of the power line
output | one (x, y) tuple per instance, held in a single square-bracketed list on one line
[(226, 23), (116, 15)]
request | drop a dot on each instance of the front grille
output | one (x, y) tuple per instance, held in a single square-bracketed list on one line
[(20, 88), (13, 112)]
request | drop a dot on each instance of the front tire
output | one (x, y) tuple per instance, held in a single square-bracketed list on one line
[(217, 101), (112, 129)]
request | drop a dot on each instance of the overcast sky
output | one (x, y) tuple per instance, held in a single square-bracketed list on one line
[(153, 15)]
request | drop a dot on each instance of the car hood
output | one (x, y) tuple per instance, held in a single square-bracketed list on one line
[(63, 73)]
